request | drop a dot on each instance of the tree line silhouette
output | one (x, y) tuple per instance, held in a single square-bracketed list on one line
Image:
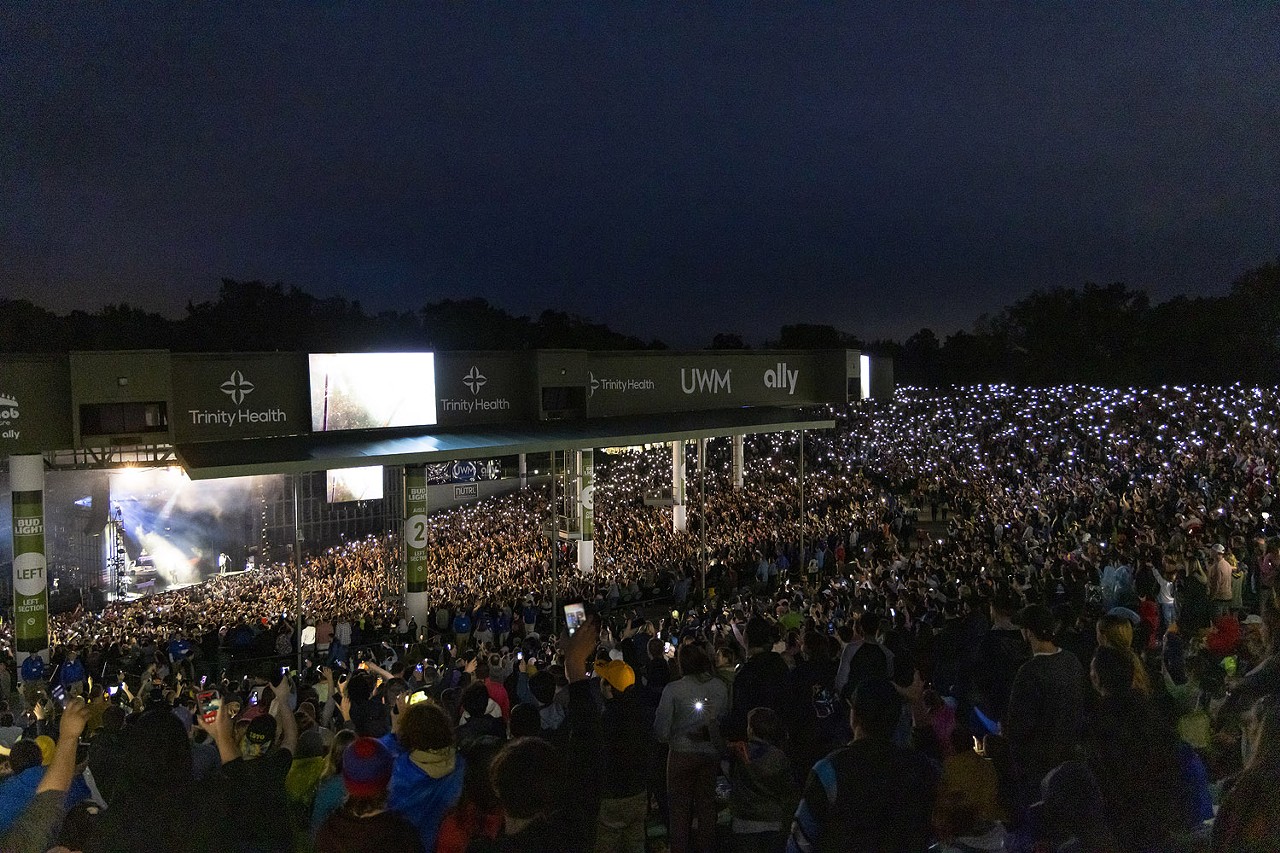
[(1098, 334)]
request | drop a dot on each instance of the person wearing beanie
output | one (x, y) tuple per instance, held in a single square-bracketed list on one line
[(364, 823)]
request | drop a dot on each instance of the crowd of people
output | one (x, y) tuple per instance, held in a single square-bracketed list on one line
[(1011, 619)]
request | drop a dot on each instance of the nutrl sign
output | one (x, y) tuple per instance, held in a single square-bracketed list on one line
[(781, 378)]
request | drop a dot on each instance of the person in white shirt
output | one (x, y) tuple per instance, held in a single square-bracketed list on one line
[(1165, 598)]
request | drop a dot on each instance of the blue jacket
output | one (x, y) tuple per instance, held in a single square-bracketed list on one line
[(330, 796), (18, 791), (33, 668), (71, 672), (422, 800)]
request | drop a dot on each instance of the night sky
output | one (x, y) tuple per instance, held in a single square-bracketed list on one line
[(670, 169)]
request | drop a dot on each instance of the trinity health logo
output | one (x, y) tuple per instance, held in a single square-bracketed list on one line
[(475, 380), (237, 387)]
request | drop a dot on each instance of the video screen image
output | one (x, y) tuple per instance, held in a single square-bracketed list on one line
[(353, 484), (372, 390)]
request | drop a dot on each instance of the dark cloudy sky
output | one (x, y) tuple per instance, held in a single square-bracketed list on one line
[(670, 169)]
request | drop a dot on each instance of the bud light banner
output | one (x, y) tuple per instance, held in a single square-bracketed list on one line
[(30, 594), (415, 528)]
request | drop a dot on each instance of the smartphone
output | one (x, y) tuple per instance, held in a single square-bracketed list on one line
[(416, 696), (418, 669), (59, 694), (519, 655), (209, 701), (203, 680), (113, 689), (363, 665), (574, 616), (253, 698), (284, 670)]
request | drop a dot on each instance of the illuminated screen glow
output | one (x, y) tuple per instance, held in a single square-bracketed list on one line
[(372, 390), (174, 529), (353, 484), (864, 372)]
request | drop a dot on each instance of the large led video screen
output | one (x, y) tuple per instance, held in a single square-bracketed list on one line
[(353, 484), (372, 390)]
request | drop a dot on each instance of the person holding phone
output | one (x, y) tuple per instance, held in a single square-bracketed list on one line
[(688, 720), (256, 769)]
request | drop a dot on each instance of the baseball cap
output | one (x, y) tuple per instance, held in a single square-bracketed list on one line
[(261, 731), (47, 747), (366, 767), (619, 674)]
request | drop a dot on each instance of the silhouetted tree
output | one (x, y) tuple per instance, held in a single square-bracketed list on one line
[(814, 336), (727, 340)]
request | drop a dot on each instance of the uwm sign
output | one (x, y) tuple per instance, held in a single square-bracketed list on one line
[(696, 380), (639, 383)]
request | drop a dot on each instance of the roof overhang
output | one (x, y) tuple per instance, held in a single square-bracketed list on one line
[(323, 451)]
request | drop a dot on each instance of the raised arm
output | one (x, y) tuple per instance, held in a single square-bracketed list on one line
[(58, 775), (221, 732), (283, 713)]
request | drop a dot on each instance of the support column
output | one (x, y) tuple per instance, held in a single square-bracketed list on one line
[(554, 532), (679, 514), (30, 581), (801, 564), (297, 563), (586, 471), (739, 461), (702, 507), (415, 543), (524, 471)]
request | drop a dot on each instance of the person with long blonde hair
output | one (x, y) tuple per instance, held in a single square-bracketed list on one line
[(1116, 632), (331, 793)]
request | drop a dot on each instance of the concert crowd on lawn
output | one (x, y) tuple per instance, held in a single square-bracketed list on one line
[(1016, 619)]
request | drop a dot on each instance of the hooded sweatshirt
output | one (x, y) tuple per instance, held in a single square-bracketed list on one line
[(424, 785), (343, 832)]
